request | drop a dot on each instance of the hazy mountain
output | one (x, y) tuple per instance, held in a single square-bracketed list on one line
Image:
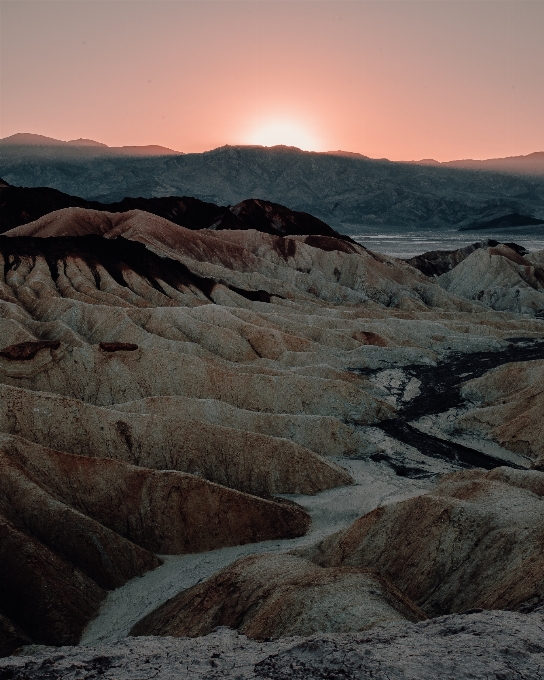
[(28, 145), (532, 164), (505, 221), (343, 189)]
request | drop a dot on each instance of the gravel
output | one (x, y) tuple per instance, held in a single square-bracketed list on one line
[(494, 645)]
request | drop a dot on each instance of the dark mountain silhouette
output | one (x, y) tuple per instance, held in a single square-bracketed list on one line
[(505, 221), (85, 142), (438, 262), (24, 144), (532, 164), (21, 205), (31, 139)]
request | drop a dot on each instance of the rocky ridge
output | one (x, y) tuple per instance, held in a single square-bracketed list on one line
[(267, 597), (21, 205), (474, 541), (498, 412), (503, 276)]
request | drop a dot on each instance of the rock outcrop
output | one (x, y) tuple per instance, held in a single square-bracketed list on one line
[(506, 405), (501, 278), (475, 541), (272, 596), (438, 262), (342, 189)]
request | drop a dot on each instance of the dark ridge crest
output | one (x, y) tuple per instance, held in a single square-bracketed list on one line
[(21, 205), (116, 256)]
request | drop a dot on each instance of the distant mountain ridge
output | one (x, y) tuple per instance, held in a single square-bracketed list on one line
[(343, 189), (531, 164), (26, 143)]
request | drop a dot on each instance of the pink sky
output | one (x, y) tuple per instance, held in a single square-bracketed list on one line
[(412, 79)]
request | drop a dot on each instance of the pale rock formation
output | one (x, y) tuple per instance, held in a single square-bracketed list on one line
[(500, 278), (271, 596), (506, 406), (501, 415), (327, 268), (105, 378), (326, 435), (438, 262), (475, 541), (536, 258), (243, 460)]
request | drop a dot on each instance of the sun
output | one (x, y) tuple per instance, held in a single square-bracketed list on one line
[(289, 133)]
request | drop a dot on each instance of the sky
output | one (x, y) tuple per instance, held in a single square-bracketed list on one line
[(397, 79)]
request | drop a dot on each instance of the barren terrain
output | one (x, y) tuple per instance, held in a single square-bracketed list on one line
[(278, 432)]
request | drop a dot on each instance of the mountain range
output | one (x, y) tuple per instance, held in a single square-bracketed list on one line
[(531, 164), (346, 190), (28, 144)]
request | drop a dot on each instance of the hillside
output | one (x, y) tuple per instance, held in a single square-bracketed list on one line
[(343, 190), (22, 205), (163, 388)]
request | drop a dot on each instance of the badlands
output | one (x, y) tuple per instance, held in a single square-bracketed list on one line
[(256, 449)]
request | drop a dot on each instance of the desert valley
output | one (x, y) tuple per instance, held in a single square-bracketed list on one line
[(236, 443)]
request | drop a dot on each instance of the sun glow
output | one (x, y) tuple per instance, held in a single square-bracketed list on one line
[(284, 132)]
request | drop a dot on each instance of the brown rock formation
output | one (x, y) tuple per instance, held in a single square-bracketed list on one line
[(271, 596), (24, 351), (74, 526), (163, 511), (242, 460), (510, 405), (475, 541)]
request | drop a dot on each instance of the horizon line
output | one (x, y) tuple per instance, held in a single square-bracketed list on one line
[(91, 143)]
